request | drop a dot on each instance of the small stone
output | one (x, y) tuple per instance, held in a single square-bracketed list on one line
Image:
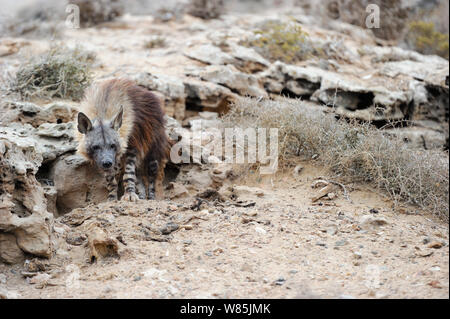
[(435, 284), (279, 282), (321, 244), (341, 243), (373, 211), (426, 240), (357, 255), (372, 220), (331, 196), (260, 230), (169, 228), (172, 208), (435, 245), (137, 278)]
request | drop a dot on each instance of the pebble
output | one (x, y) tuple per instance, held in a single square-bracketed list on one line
[(2, 279), (331, 196), (342, 242), (435, 245), (357, 255), (260, 230), (279, 282), (372, 220)]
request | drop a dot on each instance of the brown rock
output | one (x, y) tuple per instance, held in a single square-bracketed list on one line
[(10, 252)]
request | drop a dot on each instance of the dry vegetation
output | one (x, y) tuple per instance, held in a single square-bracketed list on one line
[(286, 42), (352, 151), (58, 72), (155, 42), (423, 37)]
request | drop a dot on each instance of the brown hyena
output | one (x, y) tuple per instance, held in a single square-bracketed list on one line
[(121, 131)]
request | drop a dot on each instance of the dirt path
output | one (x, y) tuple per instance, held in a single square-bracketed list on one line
[(283, 247)]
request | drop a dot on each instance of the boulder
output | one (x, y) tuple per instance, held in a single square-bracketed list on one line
[(77, 183)]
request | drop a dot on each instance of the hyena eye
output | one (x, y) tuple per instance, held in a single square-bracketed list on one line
[(113, 146), (96, 147)]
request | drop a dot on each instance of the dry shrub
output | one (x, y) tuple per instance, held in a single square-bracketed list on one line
[(354, 152), (206, 9), (59, 72), (282, 41), (99, 11), (155, 42)]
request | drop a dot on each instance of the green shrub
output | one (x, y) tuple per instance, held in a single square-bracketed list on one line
[(286, 42), (58, 72), (423, 37)]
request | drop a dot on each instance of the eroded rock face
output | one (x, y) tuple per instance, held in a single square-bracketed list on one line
[(23, 206)]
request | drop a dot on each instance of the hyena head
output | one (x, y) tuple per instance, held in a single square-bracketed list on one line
[(102, 139)]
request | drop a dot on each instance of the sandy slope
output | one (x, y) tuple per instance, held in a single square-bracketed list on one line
[(283, 247)]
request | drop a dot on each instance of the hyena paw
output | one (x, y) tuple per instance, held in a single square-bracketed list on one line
[(130, 197)]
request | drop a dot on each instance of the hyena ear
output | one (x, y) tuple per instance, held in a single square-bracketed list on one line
[(116, 123), (84, 123)]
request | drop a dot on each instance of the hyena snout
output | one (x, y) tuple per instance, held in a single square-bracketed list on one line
[(107, 164)]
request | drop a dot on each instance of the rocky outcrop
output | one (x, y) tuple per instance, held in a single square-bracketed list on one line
[(228, 76), (33, 138), (23, 206)]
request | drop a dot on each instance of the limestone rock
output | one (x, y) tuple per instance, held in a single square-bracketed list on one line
[(77, 183), (230, 77)]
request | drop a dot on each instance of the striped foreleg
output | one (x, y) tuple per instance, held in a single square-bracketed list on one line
[(111, 183), (129, 177)]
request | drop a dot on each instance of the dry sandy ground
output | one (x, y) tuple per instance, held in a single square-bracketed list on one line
[(283, 247)]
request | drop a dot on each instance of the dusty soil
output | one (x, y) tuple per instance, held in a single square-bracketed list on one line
[(285, 246)]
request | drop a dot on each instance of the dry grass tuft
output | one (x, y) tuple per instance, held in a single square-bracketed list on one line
[(59, 72), (352, 151)]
